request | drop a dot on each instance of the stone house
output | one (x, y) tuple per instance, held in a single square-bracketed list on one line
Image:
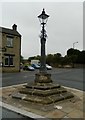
[(10, 49)]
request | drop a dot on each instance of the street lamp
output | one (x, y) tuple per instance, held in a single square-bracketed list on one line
[(43, 90), (74, 44), (43, 17), (43, 76)]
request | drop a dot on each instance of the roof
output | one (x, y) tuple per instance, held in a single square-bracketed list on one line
[(9, 31)]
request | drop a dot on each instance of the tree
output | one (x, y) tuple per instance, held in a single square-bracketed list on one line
[(76, 56), (72, 51), (66, 60), (59, 54), (37, 57), (49, 59), (57, 58), (31, 58), (81, 57), (21, 58)]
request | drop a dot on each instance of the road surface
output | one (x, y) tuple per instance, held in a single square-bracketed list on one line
[(9, 115), (68, 77)]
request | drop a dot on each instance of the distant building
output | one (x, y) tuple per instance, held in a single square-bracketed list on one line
[(10, 49), (35, 61)]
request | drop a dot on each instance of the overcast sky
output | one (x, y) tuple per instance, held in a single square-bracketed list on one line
[(64, 26)]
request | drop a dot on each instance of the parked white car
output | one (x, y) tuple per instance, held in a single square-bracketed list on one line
[(28, 68), (48, 67)]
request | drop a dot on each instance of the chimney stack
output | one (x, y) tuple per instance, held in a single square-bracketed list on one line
[(14, 27)]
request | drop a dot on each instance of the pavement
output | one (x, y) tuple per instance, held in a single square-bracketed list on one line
[(72, 108)]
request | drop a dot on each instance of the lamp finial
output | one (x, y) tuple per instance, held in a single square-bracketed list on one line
[(43, 12)]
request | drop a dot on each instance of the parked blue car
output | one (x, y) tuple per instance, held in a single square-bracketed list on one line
[(35, 66)]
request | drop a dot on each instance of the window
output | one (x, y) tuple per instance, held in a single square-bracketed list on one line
[(11, 60), (9, 41), (8, 60)]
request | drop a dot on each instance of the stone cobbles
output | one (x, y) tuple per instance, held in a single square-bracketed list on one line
[(55, 114), (75, 114)]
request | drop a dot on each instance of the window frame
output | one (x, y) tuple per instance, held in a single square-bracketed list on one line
[(6, 57), (9, 57), (9, 42)]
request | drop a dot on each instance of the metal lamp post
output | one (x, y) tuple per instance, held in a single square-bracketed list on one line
[(43, 76), (74, 44), (43, 20)]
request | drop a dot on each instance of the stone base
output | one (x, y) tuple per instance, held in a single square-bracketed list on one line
[(27, 105), (42, 78), (43, 93)]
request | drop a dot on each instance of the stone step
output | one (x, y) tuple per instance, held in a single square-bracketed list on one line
[(48, 100), (44, 93), (43, 86)]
